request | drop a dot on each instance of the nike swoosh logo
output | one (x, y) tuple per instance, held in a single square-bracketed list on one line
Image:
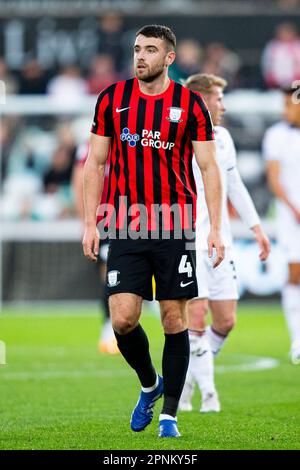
[(121, 109), (184, 284)]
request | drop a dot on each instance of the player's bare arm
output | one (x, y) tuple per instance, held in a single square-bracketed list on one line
[(93, 177), (273, 175), (243, 204), (205, 153)]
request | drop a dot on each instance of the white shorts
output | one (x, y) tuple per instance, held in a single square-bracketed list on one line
[(288, 230), (216, 283)]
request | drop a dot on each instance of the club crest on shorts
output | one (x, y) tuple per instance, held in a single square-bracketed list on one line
[(112, 278), (175, 114)]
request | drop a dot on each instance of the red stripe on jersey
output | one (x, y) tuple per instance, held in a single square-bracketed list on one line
[(164, 174), (131, 152), (148, 171)]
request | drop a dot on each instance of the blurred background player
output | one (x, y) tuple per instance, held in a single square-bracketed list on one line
[(107, 342), (217, 287), (281, 148)]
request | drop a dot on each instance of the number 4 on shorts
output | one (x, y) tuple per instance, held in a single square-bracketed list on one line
[(185, 266)]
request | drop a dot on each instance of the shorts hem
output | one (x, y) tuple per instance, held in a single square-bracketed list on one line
[(175, 297), (135, 292)]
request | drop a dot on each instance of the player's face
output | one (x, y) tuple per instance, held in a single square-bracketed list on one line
[(291, 111), (215, 104), (151, 58)]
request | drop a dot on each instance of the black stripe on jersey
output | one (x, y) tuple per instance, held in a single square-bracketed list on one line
[(155, 153), (117, 171), (124, 123), (140, 124), (172, 138), (208, 123), (99, 100), (108, 113), (192, 120)]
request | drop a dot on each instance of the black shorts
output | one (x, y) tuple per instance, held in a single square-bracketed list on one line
[(103, 251), (132, 263)]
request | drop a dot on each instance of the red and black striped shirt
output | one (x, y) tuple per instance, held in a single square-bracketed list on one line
[(151, 148)]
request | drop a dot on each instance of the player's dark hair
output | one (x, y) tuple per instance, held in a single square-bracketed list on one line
[(159, 31)]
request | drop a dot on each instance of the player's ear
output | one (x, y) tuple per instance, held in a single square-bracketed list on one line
[(170, 58)]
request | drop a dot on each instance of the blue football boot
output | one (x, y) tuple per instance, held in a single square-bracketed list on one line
[(143, 412), (168, 428)]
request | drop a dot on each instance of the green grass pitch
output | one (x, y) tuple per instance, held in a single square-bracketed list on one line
[(58, 392)]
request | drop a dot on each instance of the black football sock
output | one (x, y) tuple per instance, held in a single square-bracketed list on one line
[(134, 347), (174, 364)]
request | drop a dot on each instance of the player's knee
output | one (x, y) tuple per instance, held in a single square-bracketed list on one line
[(173, 322), (123, 325), (196, 310), (226, 325)]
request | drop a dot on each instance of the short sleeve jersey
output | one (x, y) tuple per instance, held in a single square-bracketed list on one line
[(151, 148)]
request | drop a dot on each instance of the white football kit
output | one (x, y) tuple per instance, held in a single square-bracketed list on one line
[(282, 143), (221, 283)]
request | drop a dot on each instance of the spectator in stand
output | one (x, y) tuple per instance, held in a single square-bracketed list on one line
[(221, 62), (188, 60), (11, 84), (60, 171), (103, 73), (68, 85), (33, 80), (288, 4), (110, 38), (281, 57), (56, 202), (6, 141)]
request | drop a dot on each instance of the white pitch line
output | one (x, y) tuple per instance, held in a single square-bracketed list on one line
[(259, 363), (251, 364)]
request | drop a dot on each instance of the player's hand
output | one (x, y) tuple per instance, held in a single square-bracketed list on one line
[(263, 242), (90, 243), (214, 241)]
